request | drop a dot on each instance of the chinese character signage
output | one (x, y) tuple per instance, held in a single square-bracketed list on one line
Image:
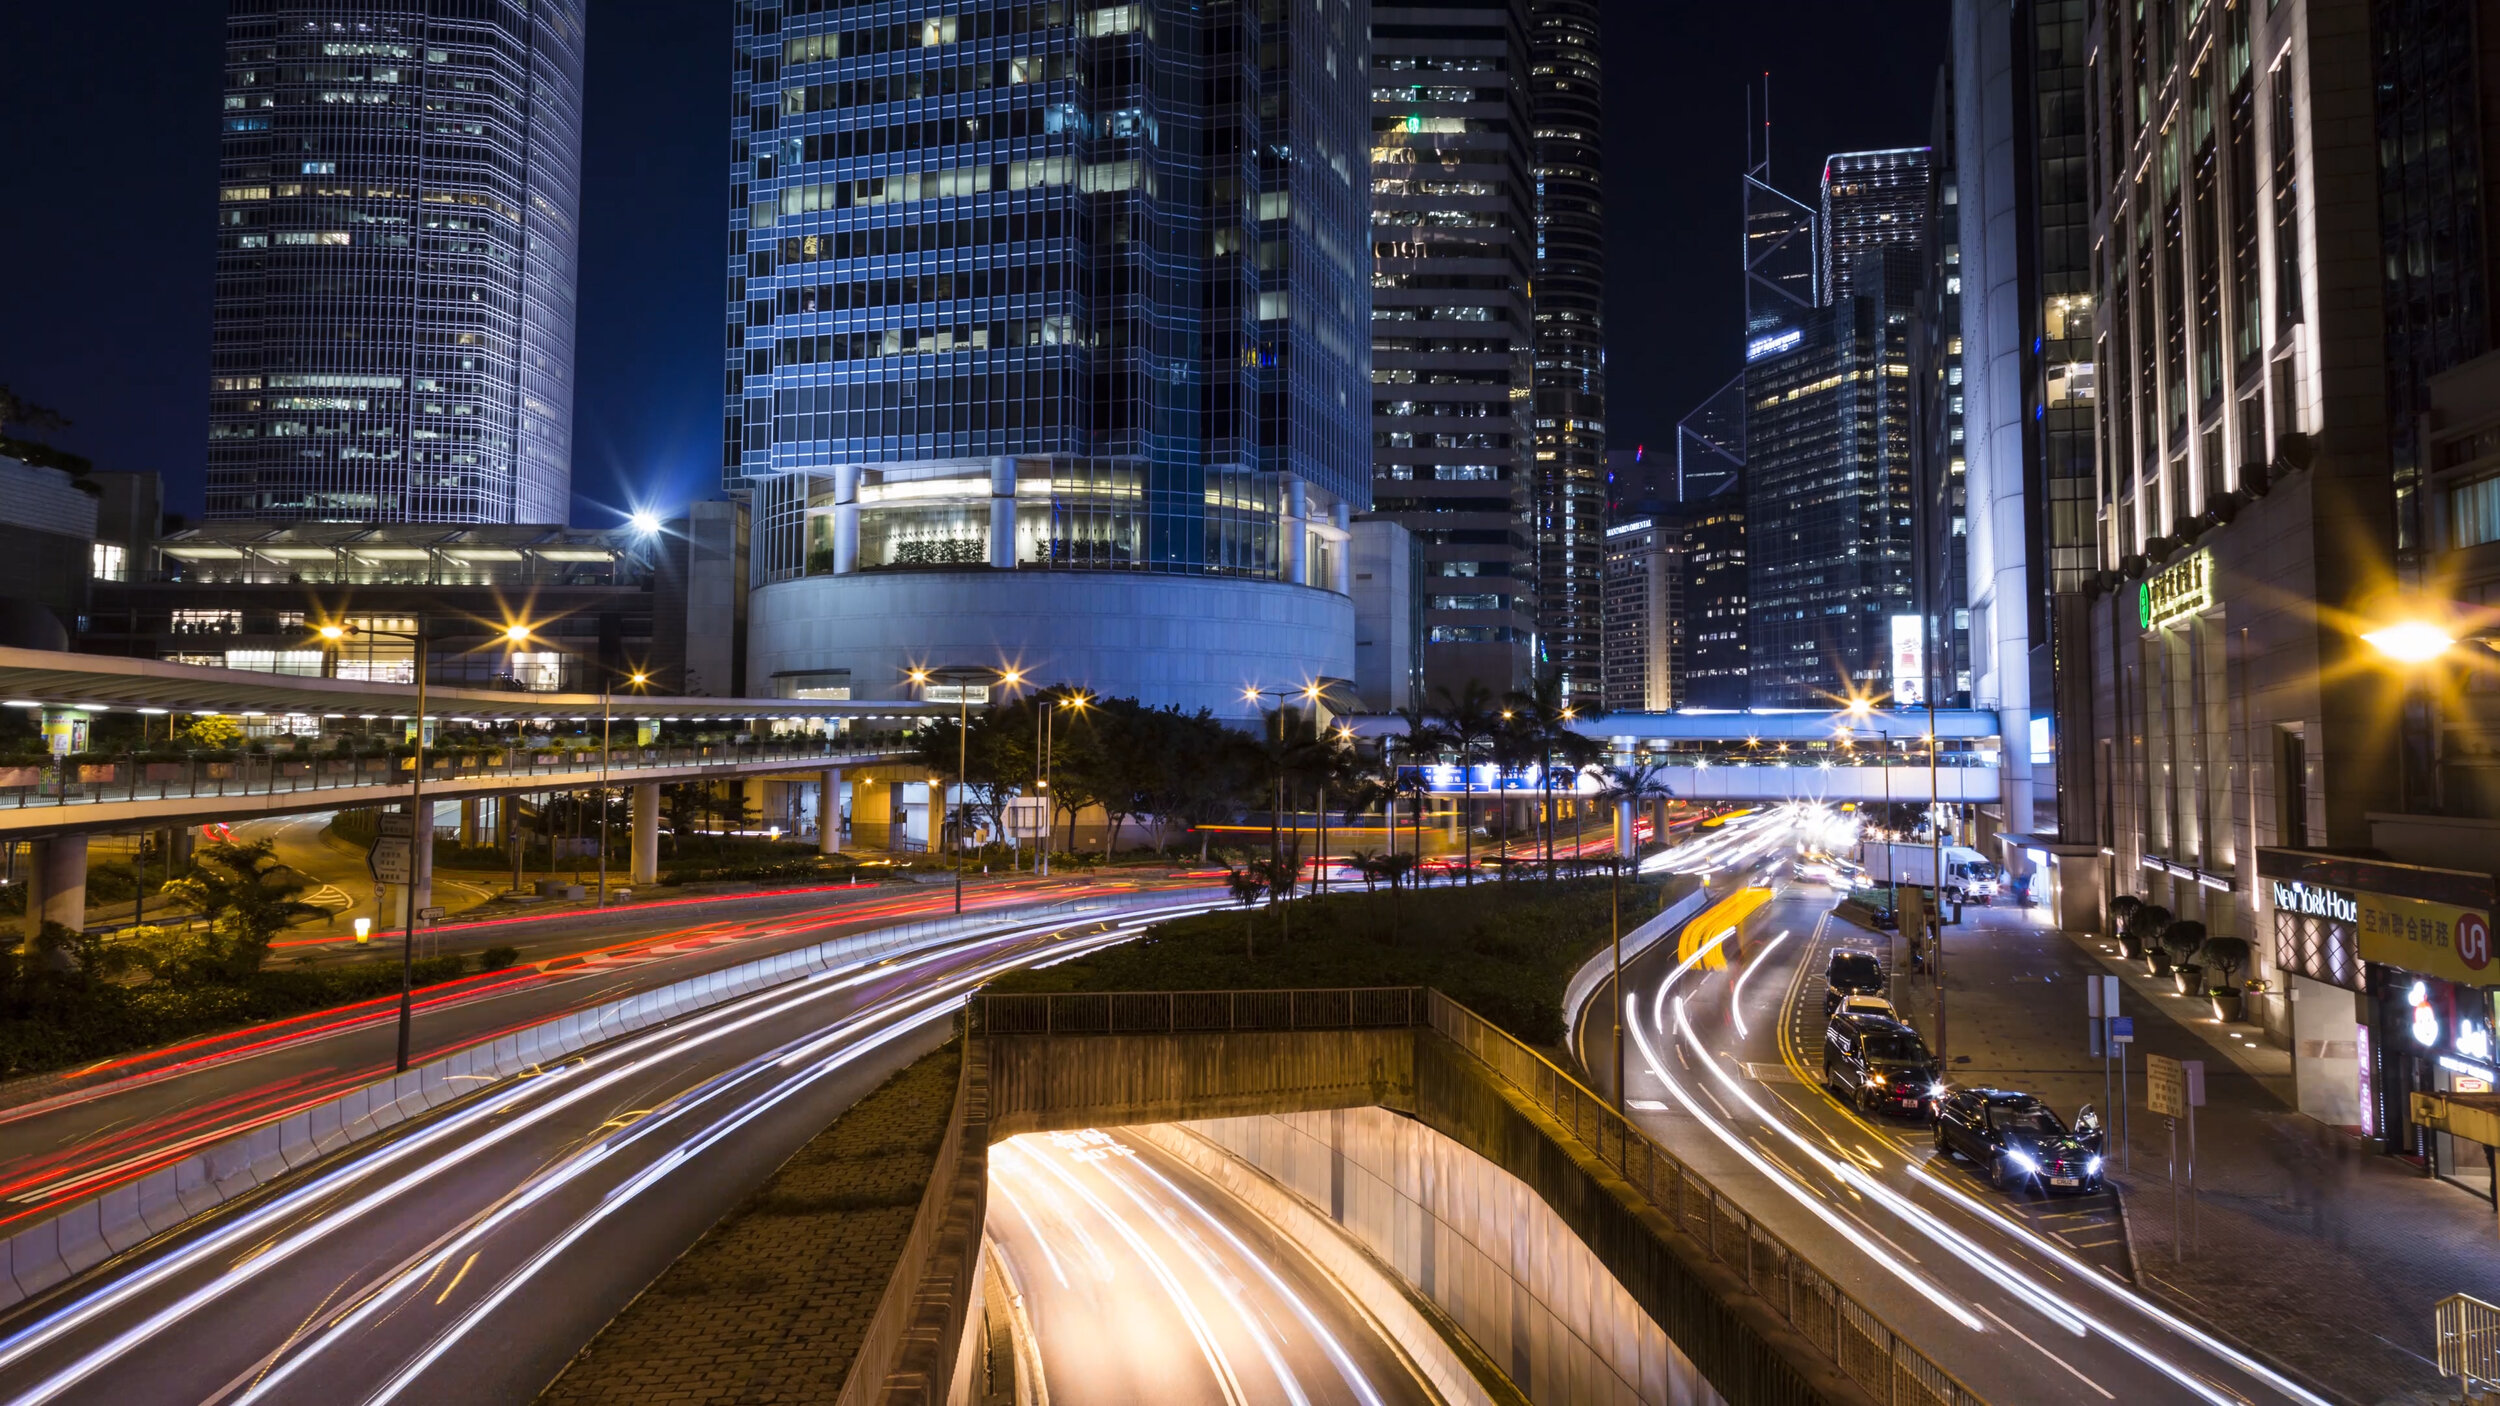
[(2433, 939), (2176, 592)]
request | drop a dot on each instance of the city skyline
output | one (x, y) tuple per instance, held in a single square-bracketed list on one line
[(124, 319)]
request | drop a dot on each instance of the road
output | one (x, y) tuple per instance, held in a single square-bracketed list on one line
[(2019, 1296), (118, 1120), (1144, 1283), (470, 1254)]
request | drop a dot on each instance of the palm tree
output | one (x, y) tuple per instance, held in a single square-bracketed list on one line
[(1540, 710), (1422, 736), (1245, 886), (1468, 720), (1512, 746), (249, 896)]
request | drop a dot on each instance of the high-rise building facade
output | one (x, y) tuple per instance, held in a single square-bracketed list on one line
[(1829, 509), (1644, 615), (392, 337), (1453, 336), (1718, 634), (1565, 103), (1048, 343), (1871, 200), (1940, 467)]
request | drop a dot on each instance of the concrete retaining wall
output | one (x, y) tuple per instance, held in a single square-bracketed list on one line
[(1045, 1083), (91, 1232)]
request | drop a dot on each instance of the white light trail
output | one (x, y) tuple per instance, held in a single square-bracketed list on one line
[(1736, 1001)]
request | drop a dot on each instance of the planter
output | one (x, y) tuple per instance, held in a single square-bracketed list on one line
[(2189, 978), (2227, 1002), (2156, 964), (2130, 949)]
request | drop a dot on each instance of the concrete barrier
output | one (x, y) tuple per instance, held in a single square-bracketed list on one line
[(1597, 969), (87, 1233)]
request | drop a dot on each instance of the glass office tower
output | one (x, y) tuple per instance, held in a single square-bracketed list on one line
[(1047, 342), (1565, 92), (393, 333)]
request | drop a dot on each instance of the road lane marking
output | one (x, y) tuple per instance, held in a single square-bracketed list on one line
[(2044, 1352), (455, 1279)]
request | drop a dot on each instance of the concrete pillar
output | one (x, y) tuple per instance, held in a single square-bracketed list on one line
[(845, 519), (829, 812), (1297, 534), (1003, 512), (1341, 554), (872, 813), (646, 807), (56, 883), (186, 842), (468, 822), (1626, 832)]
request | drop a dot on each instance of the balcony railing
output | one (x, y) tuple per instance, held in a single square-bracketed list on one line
[(137, 779)]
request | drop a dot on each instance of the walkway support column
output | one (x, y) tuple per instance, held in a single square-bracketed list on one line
[(829, 812), (646, 833), (56, 889), (421, 858)]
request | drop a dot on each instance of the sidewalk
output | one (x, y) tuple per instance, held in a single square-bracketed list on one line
[(2307, 1247)]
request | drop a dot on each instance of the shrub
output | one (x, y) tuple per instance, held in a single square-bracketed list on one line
[(495, 959)]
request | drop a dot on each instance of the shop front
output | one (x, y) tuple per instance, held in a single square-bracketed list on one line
[(2390, 971)]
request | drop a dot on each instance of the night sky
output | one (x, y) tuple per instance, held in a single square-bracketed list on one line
[(109, 250)]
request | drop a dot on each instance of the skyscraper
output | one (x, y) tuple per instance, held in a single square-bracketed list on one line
[(1565, 94), (1644, 615), (1828, 515), (1452, 336), (393, 326), (1871, 199), (1048, 343)]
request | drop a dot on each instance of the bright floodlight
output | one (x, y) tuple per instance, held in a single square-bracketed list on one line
[(1011, 677), (516, 633), (2412, 642), (644, 521), (641, 679), (334, 632)]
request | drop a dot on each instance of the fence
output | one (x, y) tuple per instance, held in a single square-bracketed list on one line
[(139, 780), (90, 1232), (2469, 1339), (1193, 1012), (1853, 1336)]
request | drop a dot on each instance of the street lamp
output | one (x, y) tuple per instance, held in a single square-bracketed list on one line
[(607, 718), (961, 678), (421, 833), (1313, 694), (1046, 738)]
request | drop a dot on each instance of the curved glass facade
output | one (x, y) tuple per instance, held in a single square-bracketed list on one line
[(396, 259), (1048, 286)]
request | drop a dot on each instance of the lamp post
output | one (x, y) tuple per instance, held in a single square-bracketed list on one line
[(421, 833), (961, 678), (1314, 694), (2417, 644), (607, 718), (1046, 741)]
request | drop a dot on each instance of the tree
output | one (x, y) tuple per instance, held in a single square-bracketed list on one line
[(248, 896), (214, 733), (1367, 864), (1468, 720), (1246, 886), (2229, 956), (1513, 744)]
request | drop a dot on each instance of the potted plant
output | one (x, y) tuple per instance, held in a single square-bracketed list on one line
[(2229, 956), (2143, 933), (2181, 941), (2122, 911)]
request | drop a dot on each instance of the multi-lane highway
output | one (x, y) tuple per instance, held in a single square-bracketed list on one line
[(2020, 1296), (120, 1119), (469, 1255), (1144, 1283)]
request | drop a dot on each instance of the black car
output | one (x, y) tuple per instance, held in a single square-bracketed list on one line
[(2020, 1141), (1880, 1063), (1851, 973)]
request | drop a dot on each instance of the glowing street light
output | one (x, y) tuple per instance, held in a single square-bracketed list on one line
[(2411, 641), (644, 522)]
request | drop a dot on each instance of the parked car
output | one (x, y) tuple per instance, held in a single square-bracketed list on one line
[(1867, 1005), (1879, 1063), (1851, 973), (2018, 1140)]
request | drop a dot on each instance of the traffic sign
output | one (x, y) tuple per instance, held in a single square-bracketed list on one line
[(2122, 1030), (2165, 1086), (394, 847), (429, 915)]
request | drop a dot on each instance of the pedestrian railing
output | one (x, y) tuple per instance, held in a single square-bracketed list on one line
[(2469, 1339), (1855, 1337), (142, 780), (1194, 1012)]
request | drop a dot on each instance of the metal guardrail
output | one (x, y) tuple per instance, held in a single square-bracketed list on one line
[(2468, 1331), (1196, 1012), (1856, 1338), (140, 780)]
